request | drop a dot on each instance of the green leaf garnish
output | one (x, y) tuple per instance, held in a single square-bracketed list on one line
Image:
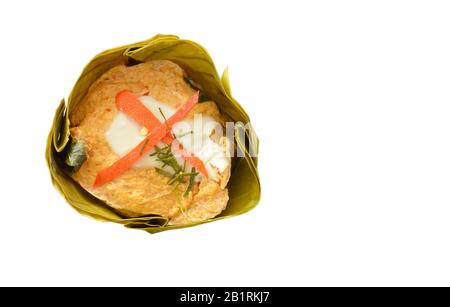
[(165, 155), (184, 134), (76, 154), (191, 182), (143, 146), (160, 111)]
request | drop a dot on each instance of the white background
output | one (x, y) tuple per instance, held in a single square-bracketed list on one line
[(351, 102)]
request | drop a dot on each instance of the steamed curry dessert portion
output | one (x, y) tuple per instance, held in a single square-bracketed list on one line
[(150, 146)]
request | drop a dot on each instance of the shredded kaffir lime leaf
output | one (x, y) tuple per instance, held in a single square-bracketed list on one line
[(177, 174)]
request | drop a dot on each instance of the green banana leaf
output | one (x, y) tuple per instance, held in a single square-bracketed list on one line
[(244, 185)]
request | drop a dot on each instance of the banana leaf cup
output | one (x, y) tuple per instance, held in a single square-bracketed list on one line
[(244, 185)]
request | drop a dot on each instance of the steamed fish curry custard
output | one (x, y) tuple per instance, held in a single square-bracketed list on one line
[(144, 144)]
